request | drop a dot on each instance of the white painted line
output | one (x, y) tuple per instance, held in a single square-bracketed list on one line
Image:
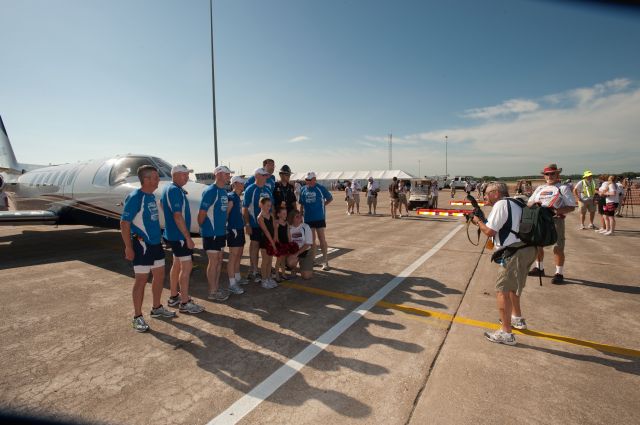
[(251, 400), (329, 251)]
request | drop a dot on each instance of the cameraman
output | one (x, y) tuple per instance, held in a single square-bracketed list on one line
[(513, 258)]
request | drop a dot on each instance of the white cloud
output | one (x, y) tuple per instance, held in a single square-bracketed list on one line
[(509, 107), (298, 139)]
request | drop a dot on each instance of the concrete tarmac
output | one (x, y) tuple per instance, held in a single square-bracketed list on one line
[(419, 356)]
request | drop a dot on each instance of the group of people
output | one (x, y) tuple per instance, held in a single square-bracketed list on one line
[(262, 208), (607, 196)]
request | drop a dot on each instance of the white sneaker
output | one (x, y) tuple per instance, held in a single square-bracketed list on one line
[(592, 227), (268, 283), (581, 227), (608, 233), (325, 267), (601, 231), (501, 337), (236, 289)]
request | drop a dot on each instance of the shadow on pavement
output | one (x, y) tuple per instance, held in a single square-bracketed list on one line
[(610, 286)]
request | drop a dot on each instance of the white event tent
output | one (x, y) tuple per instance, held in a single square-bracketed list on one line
[(378, 175)]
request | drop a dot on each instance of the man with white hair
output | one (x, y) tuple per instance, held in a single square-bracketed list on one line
[(177, 219), (250, 211), (212, 219), (313, 201)]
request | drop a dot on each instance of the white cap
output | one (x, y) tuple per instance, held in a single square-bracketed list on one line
[(180, 169), (222, 169), (261, 171), (310, 175), (237, 179)]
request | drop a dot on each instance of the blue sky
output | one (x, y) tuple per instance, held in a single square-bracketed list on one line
[(318, 85)]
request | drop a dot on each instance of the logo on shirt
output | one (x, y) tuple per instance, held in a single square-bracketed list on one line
[(310, 197), (224, 202), (153, 210)]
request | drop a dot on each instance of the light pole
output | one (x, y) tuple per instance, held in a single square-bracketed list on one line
[(213, 87), (446, 165), (419, 173)]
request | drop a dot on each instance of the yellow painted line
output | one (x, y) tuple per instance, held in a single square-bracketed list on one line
[(469, 322)]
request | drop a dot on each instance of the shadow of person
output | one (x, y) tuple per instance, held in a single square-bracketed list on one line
[(626, 289), (213, 355), (628, 364)]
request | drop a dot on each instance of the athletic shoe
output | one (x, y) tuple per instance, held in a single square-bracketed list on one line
[(325, 267), (191, 308), (220, 295), (257, 278), (557, 279), (592, 227), (601, 231), (242, 281), (581, 227), (517, 323), (536, 271), (608, 233), (236, 289), (268, 284), (174, 301), (501, 337), (139, 325), (162, 312)]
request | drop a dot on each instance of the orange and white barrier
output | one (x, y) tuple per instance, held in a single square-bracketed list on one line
[(442, 212), (465, 203)]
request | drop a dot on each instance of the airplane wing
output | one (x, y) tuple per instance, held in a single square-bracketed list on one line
[(16, 218)]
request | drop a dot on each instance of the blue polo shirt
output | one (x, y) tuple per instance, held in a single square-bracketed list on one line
[(235, 220), (174, 199), (252, 196), (313, 199), (214, 203), (141, 210), (270, 183)]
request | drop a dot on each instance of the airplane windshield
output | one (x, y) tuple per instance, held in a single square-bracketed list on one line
[(163, 167), (128, 167)]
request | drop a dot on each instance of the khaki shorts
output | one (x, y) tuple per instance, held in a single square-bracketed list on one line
[(306, 262), (559, 222), (587, 206), (512, 276)]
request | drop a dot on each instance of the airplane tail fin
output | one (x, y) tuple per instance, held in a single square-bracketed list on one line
[(8, 162)]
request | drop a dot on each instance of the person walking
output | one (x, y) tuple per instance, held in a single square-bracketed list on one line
[(177, 233), (142, 237), (212, 219), (314, 199), (558, 196), (356, 188), (584, 192), (513, 257), (372, 195), (250, 210), (235, 235)]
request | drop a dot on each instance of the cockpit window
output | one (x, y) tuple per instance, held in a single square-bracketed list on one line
[(128, 167), (102, 175), (163, 166)]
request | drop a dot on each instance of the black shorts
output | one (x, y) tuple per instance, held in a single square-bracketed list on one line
[(235, 238), (601, 204), (256, 234), (214, 243), (180, 250), (146, 257), (318, 224)]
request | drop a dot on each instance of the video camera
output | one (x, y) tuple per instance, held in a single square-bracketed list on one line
[(476, 209)]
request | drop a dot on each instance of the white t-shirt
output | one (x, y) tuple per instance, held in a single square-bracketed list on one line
[(610, 187), (498, 218), (434, 189), (554, 196), (355, 185), (620, 191), (348, 192), (372, 187), (301, 235)]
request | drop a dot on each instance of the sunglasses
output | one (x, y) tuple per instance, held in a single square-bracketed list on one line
[(552, 173)]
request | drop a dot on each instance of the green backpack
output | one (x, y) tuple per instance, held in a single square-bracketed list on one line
[(536, 224)]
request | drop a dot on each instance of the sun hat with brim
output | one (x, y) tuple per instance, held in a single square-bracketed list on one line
[(285, 170), (551, 168), (587, 173), (237, 179)]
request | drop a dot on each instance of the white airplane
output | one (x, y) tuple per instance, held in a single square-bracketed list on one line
[(88, 192)]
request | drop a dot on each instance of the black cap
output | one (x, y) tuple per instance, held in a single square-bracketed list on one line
[(285, 169)]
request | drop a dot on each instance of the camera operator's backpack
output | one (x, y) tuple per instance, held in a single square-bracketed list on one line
[(536, 224)]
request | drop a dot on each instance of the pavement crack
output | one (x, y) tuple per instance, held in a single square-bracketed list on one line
[(435, 358)]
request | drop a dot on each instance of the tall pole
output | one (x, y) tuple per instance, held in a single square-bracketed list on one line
[(213, 87), (419, 173), (446, 164)]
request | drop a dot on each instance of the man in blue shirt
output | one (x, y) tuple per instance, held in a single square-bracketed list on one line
[(212, 219), (313, 200), (250, 210), (141, 234), (269, 165), (177, 218)]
